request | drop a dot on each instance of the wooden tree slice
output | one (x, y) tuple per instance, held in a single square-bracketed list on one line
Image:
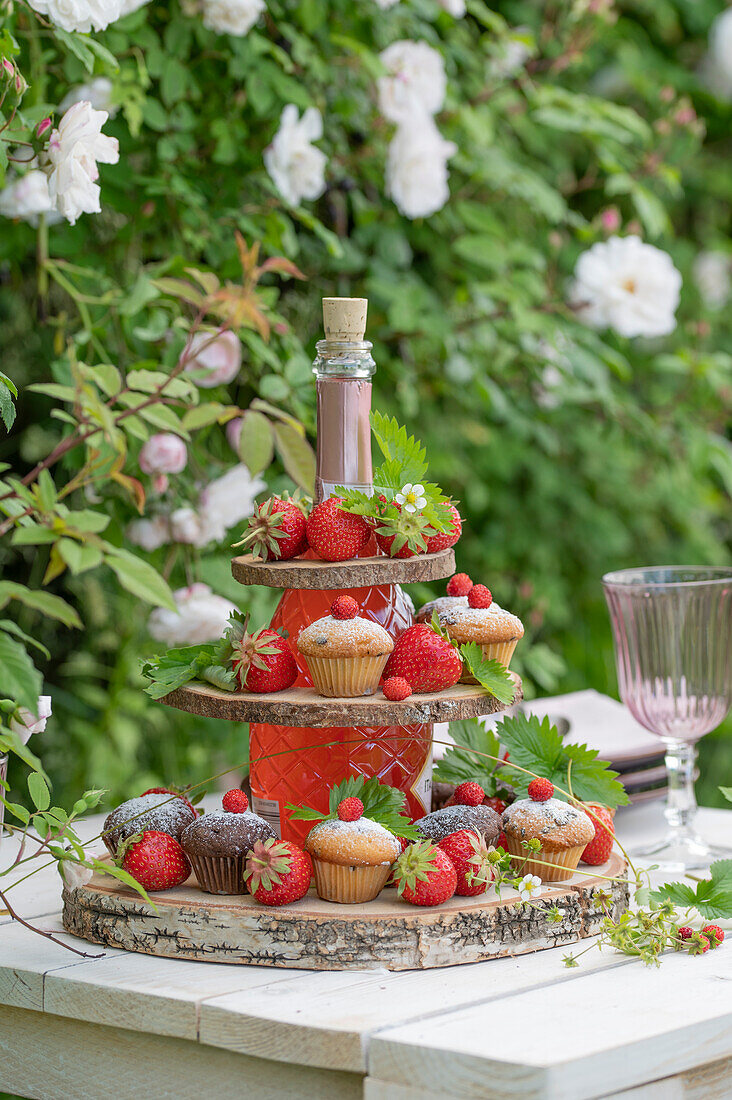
[(302, 706), (316, 935), (356, 573)]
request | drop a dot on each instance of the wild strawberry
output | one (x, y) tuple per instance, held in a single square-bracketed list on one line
[(441, 540), (350, 809), (599, 849), (155, 860), (276, 531), (479, 596), (277, 871), (264, 662), (344, 607), (424, 875), (235, 802), (714, 934), (704, 946), (685, 933), (170, 791), (469, 855), (459, 585), (396, 688), (540, 790), (469, 794), (424, 659), (333, 534)]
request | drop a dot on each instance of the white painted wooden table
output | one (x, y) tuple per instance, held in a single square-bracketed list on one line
[(133, 1026)]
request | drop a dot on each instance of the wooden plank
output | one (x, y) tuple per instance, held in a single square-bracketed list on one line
[(25, 957), (599, 1034), (51, 1058), (355, 573), (302, 706), (710, 1082)]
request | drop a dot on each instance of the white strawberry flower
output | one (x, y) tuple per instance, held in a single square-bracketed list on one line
[(412, 498), (529, 885)]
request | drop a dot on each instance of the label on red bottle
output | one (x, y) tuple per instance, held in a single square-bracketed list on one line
[(421, 789), (269, 809)]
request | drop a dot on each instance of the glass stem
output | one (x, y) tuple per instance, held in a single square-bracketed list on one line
[(681, 800)]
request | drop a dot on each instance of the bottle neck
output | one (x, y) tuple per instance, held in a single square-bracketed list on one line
[(343, 373)]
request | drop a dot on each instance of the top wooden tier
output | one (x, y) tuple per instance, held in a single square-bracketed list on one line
[(356, 573)]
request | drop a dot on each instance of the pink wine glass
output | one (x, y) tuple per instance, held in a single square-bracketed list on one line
[(672, 627)]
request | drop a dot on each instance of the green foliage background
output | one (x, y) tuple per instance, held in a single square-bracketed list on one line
[(629, 463)]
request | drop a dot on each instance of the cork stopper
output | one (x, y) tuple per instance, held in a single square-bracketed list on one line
[(345, 318)]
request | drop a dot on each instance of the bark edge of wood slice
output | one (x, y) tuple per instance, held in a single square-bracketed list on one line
[(302, 706), (317, 935), (355, 573)]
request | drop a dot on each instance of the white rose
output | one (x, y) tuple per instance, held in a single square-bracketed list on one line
[(26, 197), (232, 16), (218, 360), (294, 164), (626, 285), (163, 453), (414, 82), (74, 874), (416, 168), (718, 63), (73, 152), (186, 526), (26, 723), (201, 617), (712, 276), (128, 6), (149, 534), (79, 15), (98, 92), (227, 501)]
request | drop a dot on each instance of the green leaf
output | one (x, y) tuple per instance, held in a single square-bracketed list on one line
[(39, 792), (460, 764), (537, 746), (712, 897), (256, 442), (203, 416), (45, 602), (381, 803), (21, 681), (222, 678), (13, 628), (139, 578), (490, 674), (400, 448), (297, 455), (7, 408), (78, 556), (727, 793), (76, 44), (177, 667)]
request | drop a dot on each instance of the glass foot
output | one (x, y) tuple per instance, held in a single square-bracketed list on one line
[(677, 854)]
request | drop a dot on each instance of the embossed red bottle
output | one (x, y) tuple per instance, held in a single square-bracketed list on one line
[(298, 764)]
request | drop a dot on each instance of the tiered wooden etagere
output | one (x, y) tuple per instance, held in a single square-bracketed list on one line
[(317, 935)]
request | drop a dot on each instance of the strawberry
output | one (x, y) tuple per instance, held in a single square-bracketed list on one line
[(333, 534), (424, 874), (704, 946), (714, 934), (495, 803), (235, 802), (344, 607), (156, 860), (170, 791), (599, 849), (540, 790), (276, 531), (469, 794), (425, 659), (401, 534), (264, 662), (396, 688), (350, 809), (469, 855), (277, 871), (685, 933), (441, 540), (501, 841), (479, 596), (459, 585)]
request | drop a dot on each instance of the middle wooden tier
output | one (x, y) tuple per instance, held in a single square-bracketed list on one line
[(354, 573), (302, 706)]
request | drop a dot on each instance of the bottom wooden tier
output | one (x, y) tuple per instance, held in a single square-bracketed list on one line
[(317, 935)]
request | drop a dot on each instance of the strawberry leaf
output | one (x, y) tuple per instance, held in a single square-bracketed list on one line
[(712, 898), (490, 674), (177, 667), (381, 803), (459, 764), (397, 446)]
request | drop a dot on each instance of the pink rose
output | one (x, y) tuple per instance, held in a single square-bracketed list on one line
[(233, 432), (214, 359), (163, 453)]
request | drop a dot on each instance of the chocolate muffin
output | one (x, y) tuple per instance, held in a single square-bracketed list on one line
[(441, 823), (217, 845), (159, 812)]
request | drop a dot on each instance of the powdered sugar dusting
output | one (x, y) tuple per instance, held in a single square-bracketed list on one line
[(161, 812), (341, 835), (526, 818), (441, 823), (482, 624), (441, 604), (358, 637)]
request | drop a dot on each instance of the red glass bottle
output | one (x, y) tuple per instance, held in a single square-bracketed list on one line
[(297, 764)]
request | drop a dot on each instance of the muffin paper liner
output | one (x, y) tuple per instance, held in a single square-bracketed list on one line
[(336, 882), (343, 677), (499, 651), (219, 874), (566, 861)]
